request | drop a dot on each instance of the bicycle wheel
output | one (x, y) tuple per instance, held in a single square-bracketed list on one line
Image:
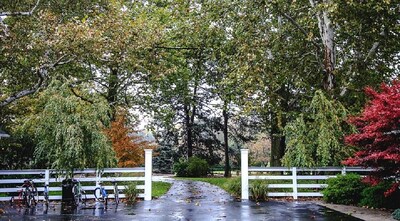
[(116, 195), (76, 195), (46, 195), (83, 197), (28, 199), (97, 193), (35, 195), (31, 200)]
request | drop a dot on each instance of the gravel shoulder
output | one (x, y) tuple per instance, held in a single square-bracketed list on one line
[(360, 212)]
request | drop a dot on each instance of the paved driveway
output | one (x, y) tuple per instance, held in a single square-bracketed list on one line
[(186, 200)]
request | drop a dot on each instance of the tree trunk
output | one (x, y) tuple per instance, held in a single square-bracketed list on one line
[(188, 131), (226, 144), (278, 144), (112, 93), (327, 35)]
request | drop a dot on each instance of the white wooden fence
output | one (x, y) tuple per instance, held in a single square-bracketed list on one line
[(295, 178), (89, 179)]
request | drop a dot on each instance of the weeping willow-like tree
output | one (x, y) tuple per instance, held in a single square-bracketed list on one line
[(315, 138), (69, 128)]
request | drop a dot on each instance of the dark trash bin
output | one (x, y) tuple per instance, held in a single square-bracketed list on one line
[(67, 194)]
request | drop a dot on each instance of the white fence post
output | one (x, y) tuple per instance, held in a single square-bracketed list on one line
[(294, 175), (343, 170), (46, 177), (148, 173), (245, 173), (98, 177)]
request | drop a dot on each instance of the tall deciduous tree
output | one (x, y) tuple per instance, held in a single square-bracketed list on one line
[(69, 130), (378, 137), (127, 143), (315, 138)]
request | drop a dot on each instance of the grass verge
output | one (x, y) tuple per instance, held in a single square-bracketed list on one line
[(160, 188)]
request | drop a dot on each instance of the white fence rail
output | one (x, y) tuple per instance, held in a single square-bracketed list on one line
[(89, 179), (291, 182)]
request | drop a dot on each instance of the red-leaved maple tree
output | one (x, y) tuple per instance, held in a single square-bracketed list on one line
[(127, 144), (378, 137)]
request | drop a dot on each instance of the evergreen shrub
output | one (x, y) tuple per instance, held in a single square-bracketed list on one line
[(180, 168), (194, 167), (344, 189), (373, 196), (197, 167)]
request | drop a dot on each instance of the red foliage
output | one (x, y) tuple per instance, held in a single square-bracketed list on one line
[(128, 146), (378, 137)]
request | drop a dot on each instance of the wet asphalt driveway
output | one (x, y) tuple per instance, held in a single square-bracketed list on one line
[(186, 200)]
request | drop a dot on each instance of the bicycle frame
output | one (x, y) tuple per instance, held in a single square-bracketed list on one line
[(100, 193), (116, 192), (78, 192), (46, 194)]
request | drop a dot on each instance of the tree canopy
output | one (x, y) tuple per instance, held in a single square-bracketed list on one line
[(68, 130), (208, 74)]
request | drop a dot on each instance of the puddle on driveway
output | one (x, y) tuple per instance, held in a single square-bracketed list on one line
[(186, 200)]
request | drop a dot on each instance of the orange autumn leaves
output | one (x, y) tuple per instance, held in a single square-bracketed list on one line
[(127, 144)]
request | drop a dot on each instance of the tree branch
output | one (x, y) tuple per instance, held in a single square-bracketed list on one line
[(21, 13), (25, 92), (297, 25), (77, 95), (42, 73), (374, 47)]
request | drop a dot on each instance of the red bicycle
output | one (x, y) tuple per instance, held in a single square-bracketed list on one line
[(27, 194)]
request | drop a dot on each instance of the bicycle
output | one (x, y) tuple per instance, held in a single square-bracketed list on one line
[(46, 191), (27, 193), (100, 193), (78, 193), (46, 194), (116, 192)]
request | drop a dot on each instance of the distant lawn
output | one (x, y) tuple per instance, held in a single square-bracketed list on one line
[(160, 188)]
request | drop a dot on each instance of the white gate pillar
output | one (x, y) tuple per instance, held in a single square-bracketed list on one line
[(148, 154), (245, 173), (294, 182), (46, 177)]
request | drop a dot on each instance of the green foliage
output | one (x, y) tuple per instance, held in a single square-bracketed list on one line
[(194, 167), (234, 186), (396, 214), (315, 138), (163, 161), (131, 193), (69, 131), (180, 168), (259, 190), (344, 189), (251, 54), (197, 167), (373, 196)]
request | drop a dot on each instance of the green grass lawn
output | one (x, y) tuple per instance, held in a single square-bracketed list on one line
[(160, 188)]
